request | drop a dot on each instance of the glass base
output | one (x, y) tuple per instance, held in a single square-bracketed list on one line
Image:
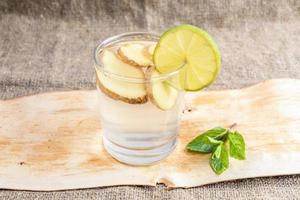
[(139, 156)]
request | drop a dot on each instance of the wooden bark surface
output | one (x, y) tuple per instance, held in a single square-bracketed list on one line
[(52, 141)]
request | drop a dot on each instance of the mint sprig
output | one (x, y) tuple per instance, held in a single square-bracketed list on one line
[(214, 141)]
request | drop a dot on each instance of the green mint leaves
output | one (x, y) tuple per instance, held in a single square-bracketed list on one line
[(236, 145), (215, 141), (219, 160), (208, 141)]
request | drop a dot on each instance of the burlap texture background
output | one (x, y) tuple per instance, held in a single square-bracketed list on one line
[(47, 46)]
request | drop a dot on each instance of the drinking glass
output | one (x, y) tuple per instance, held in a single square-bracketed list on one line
[(136, 133)]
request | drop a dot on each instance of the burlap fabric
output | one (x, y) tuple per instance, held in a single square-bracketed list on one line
[(47, 46)]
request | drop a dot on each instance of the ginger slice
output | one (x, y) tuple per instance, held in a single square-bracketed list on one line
[(133, 54), (160, 92), (148, 51), (120, 89)]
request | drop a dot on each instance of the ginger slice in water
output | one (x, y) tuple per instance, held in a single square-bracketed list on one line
[(118, 88), (133, 54), (148, 51), (160, 92)]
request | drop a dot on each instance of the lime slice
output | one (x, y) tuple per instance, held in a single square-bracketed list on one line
[(191, 49)]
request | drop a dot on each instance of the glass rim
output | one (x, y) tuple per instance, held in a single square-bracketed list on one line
[(118, 38)]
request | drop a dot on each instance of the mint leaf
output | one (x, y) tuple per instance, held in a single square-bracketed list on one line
[(219, 160), (236, 145), (206, 142)]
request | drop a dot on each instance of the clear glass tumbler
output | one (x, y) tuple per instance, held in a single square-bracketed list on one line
[(135, 131)]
